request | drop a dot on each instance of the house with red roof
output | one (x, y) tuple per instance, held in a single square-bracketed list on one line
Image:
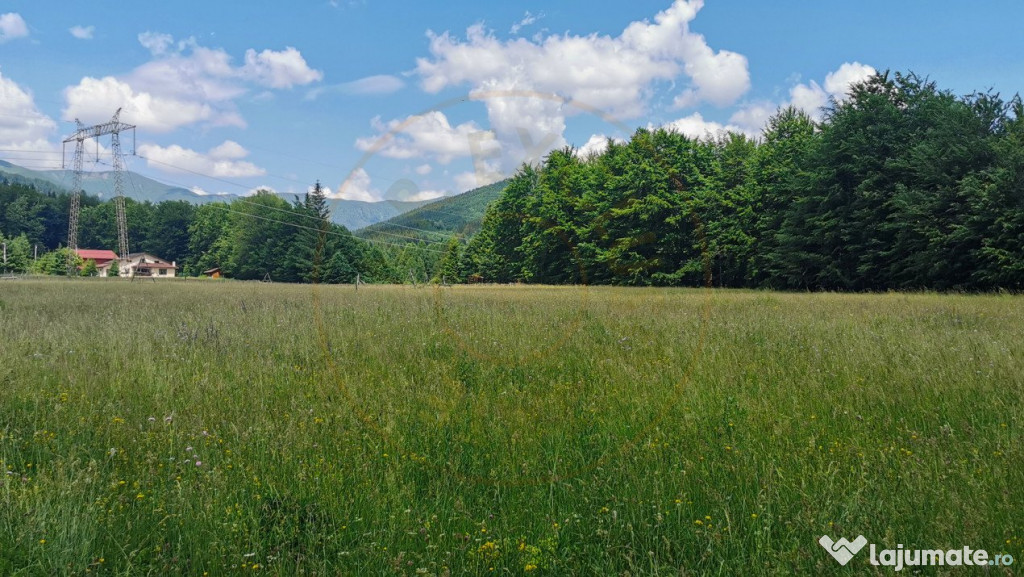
[(143, 264), (100, 257)]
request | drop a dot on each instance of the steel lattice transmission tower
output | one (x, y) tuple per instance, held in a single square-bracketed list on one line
[(114, 128)]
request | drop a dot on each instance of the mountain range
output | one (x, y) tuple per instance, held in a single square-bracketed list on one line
[(461, 214), (353, 214)]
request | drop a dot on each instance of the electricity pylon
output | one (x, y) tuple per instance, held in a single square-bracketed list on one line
[(114, 128)]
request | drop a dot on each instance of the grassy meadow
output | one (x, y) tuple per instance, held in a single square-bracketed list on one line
[(228, 428)]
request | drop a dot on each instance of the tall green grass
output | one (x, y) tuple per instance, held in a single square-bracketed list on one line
[(227, 428)]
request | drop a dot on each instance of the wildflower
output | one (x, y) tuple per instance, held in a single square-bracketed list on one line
[(529, 567), (199, 463), (42, 541), (753, 515)]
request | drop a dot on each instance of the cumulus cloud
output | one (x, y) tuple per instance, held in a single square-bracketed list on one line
[(82, 32), (754, 116), (357, 187), (597, 144), (371, 85), (279, 69), (429, 135), (12, 26), (839, 82), (183, 84), (223, 161), (424, 169), (531, 86), (94, 100), (610, 73), (811, 97), (22, 126), (695, 126)]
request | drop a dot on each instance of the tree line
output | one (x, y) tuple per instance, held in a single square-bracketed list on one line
[(901, 186), (249, 238)]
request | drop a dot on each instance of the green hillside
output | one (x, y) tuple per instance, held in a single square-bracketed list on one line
[(459, 214), (352, 214)]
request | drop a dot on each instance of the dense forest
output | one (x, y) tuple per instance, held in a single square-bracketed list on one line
[(901, 186), (248, 238)]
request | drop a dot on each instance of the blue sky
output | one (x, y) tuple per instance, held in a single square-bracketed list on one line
[(410, 100)]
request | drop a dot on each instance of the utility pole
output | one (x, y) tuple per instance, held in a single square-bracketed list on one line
[(114, 128)]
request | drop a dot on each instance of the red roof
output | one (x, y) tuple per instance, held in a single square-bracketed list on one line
[(96, 255)]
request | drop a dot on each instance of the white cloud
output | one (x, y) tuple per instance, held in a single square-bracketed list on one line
[(157, 43), (424, 169), (82, 32), (184, 84), (810, 97), (228, 150), (430, 135), (424, 195), (753, 117), (12, 26), (279, 69), (838, 83), (694, 126), (527, 20), (94, 100), (223, 161), (22, 126), (531, 86), (357, 187), (371, 85), (470, 180), (813, 97), (597, 144), (610, 73)]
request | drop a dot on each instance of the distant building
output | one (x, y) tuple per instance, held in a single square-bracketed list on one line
[(212, 273), (100, 257), (141, 264)]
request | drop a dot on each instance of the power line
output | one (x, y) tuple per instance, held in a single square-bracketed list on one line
[(286, 211), (227, 207), (197, 173)]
